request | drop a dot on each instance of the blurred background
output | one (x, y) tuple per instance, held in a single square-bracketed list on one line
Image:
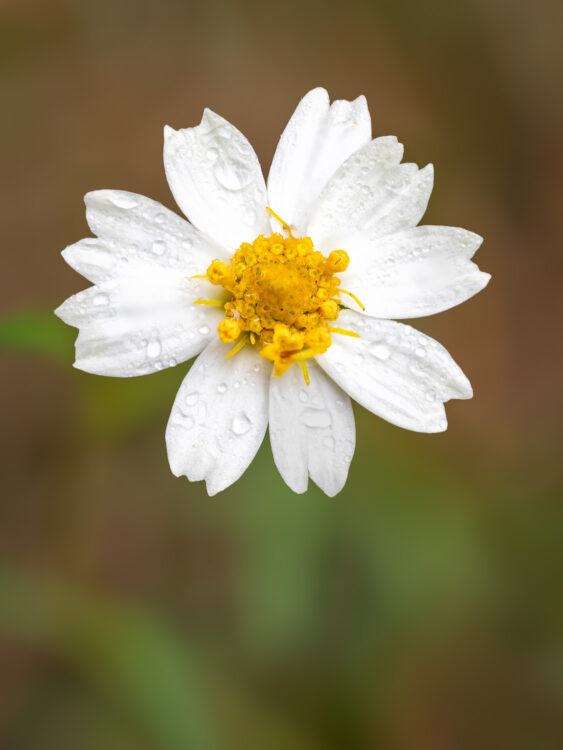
[(420, 608)]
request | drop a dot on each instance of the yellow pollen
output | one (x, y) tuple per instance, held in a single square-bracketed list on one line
[(283, 293)]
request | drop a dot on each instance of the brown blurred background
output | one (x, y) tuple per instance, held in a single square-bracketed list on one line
[(421, 608)]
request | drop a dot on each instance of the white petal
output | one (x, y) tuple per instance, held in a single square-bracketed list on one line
[(312, 430), (416, 272), (136, 229), (216, 180), (219, 417), (395, 371), (140, 323), (315, 142), (372, 193)]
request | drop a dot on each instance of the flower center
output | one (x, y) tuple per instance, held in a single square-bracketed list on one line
[(283, 295)]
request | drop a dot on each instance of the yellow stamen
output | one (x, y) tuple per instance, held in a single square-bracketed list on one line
[(344, 332), (238, 346), (306, 354), (284, 224), (199, 276), (280, 295), (343, 291), (211, 302)]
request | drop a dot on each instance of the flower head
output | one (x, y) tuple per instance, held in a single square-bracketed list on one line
[(286, 292)]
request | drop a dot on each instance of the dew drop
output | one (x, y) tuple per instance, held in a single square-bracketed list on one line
[(222, 387), (212, 154), (204, 330), (430, 394), (303, 396), (100, 300), (380, 351), (233, 176), (159, 218), (241, 424), (191, 399), (123, 201), (316, 418), (153, 349), (158, 247)]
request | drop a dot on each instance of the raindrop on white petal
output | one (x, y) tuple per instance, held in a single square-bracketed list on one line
[(316, 418), (158, 247), (303, 396), (204, 330), (153, 349), (380, 351), (100, 300), (233, 176), (191, 399), (123, 201), (241, 424), (212, 154), (159, 218), (222, 387)]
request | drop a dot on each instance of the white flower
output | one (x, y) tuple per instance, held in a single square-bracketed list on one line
[(166, 290)]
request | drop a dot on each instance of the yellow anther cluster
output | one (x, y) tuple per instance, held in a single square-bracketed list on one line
[(282, 295)]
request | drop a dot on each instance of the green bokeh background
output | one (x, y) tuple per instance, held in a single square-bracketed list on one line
[(421, 607)]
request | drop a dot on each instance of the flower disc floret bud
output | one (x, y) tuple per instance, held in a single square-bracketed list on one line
[(220, 274), (337, 261), (229, 330)]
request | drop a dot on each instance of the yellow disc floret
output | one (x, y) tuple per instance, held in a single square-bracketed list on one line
[(282, 297)]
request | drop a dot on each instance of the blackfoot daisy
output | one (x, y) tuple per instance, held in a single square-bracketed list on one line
[(286, 291)]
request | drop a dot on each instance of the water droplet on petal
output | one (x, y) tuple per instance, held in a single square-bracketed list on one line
[(153, 349), (303, 396), (380, 351), (123, 201), (100, 300), (222, 387), (204, 330), (191, 399), (241, 424), (212, 154), (158, 247), (316, 418), (233, 175)]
